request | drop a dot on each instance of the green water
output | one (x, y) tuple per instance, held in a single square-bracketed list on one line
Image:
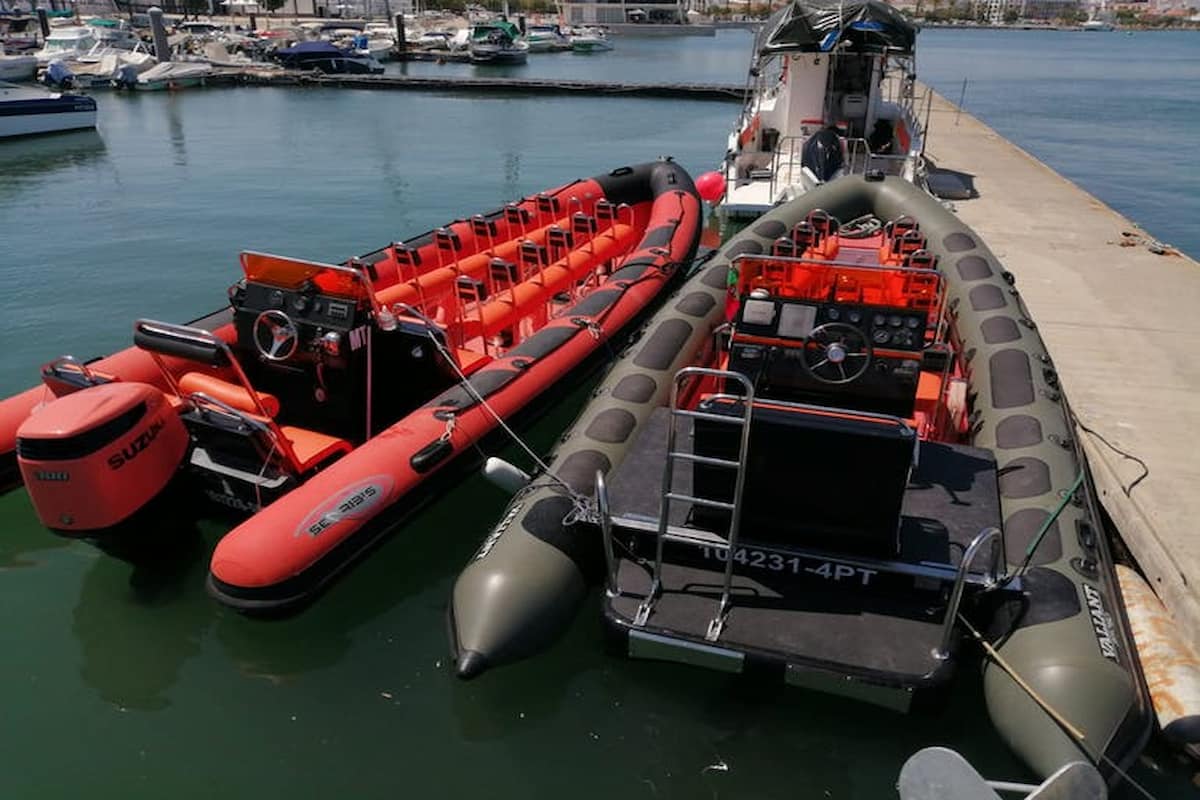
[(124, 682)]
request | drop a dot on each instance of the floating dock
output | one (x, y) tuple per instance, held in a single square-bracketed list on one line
[(1123, 327), (483, 85)]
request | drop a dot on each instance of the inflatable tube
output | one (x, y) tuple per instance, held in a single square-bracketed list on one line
[(287, 551), (1068, 639)]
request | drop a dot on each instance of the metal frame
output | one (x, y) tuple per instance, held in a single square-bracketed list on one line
[(717, 624), (991, 536), (200, 336)]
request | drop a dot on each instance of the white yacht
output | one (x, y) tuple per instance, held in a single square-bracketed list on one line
[(63, 43), (26, 110), (831, 92)]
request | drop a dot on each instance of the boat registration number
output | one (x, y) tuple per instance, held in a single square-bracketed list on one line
[(794, 565)]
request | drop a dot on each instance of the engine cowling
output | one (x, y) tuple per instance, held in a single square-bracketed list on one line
[(92, 458)]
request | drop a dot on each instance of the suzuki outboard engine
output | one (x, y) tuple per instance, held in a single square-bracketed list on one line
[(92, 458)]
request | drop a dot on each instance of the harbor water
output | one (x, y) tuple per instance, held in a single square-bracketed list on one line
[(128, 681)]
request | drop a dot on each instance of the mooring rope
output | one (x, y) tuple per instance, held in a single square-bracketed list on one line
[(1044, 704)]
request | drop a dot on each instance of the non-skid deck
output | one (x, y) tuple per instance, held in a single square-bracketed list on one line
[(1122, 326), (952, 495), (884, 638), (792, 603)]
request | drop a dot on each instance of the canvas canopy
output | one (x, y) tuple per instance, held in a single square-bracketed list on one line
[(819, 26)]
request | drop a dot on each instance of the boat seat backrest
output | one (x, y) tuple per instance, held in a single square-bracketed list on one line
[(517, 217), (822, 222), (559, 241), (899, 226), (606, 211), (504, 273), (584, 225), (532, 255), (484, 229), (448, 240), (803, 235), (470, 289), (406, 256), (179, 341), (786, 247), (547, 204), (921, 259), (840, 475)]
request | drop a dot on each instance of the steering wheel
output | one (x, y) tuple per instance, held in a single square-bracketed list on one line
[(275, 335), (836, 353)]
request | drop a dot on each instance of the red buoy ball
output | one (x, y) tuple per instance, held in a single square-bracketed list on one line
[(711, 186)]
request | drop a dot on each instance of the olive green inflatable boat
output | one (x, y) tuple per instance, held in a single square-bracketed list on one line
[(870, 459)]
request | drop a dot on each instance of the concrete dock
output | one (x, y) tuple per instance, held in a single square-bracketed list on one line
[(1123, 327)]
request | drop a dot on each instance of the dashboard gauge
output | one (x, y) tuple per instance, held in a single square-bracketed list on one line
[(881, 336), (913, 322), (833, 314), (879, 319), (902, 338), (895, 321), (855, 317), (276, 299)]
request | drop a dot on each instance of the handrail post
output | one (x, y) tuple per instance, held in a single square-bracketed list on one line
[(603, 511), (986, 536)]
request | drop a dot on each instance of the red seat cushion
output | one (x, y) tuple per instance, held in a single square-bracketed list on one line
[(231, 394)]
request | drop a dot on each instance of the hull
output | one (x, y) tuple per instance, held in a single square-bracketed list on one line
[(1070, 641), (290, 548), (17, 68), (31, 124)]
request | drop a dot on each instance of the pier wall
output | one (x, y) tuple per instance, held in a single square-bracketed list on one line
[(1122, 324)]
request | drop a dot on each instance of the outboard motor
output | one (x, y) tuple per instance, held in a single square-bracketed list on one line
[(58, 75), (92, 458), (822, 154)]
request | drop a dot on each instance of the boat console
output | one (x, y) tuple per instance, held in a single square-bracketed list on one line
[(306, 332), (826, 333)]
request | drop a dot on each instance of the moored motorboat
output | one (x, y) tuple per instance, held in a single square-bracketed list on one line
[(167, 75), (63, 43), (28, 110), (17, 67), (831, 93), (836, 452), (590, 40), (325, 396), (328, 58), (498, 42)]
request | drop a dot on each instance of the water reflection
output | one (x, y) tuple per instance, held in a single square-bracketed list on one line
[(138, 623), (23, 536), (26, 158), (175, 126)]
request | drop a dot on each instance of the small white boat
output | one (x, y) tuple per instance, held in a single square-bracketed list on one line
[(115, 33), (546, 38), (590, 40), (65, 43), (17, 68), (28, 110), (173, 75)]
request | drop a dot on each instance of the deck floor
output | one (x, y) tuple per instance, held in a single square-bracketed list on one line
[(1122, 325)]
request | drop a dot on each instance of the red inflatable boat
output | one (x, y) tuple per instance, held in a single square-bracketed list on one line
[(325, 395)]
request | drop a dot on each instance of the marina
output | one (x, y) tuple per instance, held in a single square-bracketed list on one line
[(150, 667)]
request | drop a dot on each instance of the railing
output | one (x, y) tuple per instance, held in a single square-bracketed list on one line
[(669, 495), (999, 558)]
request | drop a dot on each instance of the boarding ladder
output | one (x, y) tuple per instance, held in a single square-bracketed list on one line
[(669, 495)]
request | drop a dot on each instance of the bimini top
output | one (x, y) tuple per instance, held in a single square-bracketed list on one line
[(819, 26)]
